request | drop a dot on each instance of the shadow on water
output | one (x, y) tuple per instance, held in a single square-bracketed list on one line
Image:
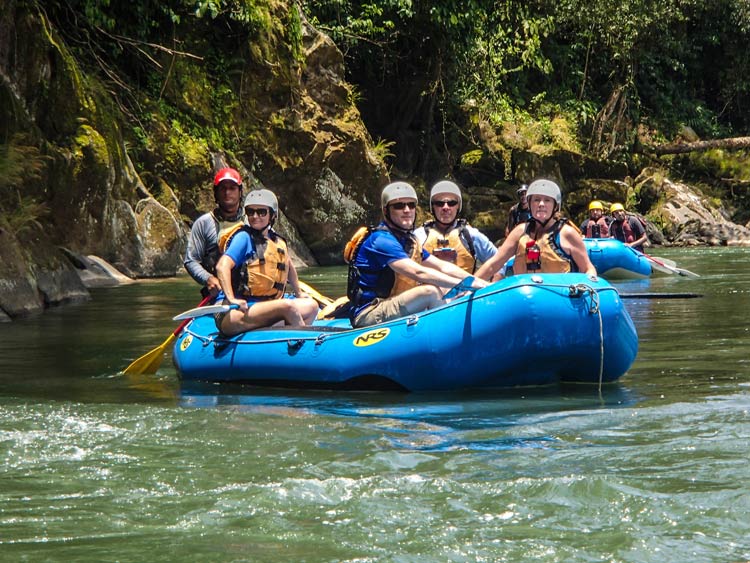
[(470, 420)]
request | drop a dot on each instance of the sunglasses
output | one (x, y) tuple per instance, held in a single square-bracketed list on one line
[(400, 205), (448, 202), (259, 212)]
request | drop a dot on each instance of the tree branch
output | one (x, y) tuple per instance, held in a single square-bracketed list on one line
[(733, 143)]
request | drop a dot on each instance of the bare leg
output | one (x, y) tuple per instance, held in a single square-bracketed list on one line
[(421, 298), (307, 308), (262, 314)]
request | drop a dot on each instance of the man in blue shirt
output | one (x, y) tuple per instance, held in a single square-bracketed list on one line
[(391, 275)]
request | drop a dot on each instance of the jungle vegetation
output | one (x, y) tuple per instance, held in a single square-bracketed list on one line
[(603, 78)]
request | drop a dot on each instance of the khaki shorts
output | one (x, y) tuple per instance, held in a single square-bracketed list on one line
[(382, 310)]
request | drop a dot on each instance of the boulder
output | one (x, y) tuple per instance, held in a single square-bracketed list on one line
[(35, 275), (687, 217)]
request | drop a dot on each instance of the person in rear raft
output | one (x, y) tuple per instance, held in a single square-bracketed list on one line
[(547, 243), (390, 264), (627, 228), (449, 238), (253, 272)]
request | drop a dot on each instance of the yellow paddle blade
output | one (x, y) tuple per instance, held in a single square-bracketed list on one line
[(150, 362), (322, 300), (327, 311)]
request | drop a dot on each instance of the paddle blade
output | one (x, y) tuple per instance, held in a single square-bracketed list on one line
[(149, 363), (322, 300), (461, 287), (203, 311)]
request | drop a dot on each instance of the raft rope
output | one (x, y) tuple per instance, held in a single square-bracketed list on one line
[(580, 290)]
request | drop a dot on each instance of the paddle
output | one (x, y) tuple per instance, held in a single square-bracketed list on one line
[(150, 362), (322, 300), (660, 295), (202, 312), (663, 266)]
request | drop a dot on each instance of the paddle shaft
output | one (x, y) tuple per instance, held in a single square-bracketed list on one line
[(673, 269), (660, 295), (150, 362)]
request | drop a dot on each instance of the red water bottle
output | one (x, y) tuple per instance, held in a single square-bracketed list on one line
[(533, 256)]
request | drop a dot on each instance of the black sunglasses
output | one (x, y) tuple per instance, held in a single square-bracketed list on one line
[(448, 202), (402, 204), (262, 212)]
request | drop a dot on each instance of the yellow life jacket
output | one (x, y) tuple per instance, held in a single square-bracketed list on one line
[(264, 275), (402, 283), (456, 246), (553, 259)]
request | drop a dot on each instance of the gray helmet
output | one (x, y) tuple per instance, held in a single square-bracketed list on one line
[(545, 187), (447, 187), (522, 188), (263, 197), (396, 190)]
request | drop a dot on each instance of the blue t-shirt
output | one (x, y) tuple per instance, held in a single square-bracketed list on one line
[(241, 249), (376, 253)]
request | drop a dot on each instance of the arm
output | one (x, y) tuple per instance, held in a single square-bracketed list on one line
[(293, 279), (433, 271), (482, 245), (638, 228), (224, 274), (239, 248), (201, 237), (573, 244), (506, 250)]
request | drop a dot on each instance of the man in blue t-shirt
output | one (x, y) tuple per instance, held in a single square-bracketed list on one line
[(391, 275)]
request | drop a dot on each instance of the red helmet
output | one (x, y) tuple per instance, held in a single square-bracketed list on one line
[(227, 174)]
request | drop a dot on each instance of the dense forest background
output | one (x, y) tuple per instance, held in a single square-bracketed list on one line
[(107, 105)]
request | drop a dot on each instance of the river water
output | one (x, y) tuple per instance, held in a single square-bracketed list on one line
[(98, 466)]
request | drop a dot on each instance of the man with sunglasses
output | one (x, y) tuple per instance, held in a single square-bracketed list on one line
[(202, 251), (391, 275), (449, 238)]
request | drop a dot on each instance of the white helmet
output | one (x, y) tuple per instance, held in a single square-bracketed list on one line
[(396, 190), (547, 188), (447, 187), (263, 197)]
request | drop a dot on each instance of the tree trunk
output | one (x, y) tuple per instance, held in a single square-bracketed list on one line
[(734, 143)]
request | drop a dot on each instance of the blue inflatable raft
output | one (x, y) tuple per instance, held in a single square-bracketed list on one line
[(615, 260), (525, 330)]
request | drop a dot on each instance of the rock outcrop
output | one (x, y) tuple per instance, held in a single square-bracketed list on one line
[(299, 127), (686, 217)]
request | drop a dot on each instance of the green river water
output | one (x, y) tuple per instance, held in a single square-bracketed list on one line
[(98, 466)]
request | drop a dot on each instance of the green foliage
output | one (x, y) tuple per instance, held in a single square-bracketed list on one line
[(20, 166), (471, 158), (382, 149), (719, 163)]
